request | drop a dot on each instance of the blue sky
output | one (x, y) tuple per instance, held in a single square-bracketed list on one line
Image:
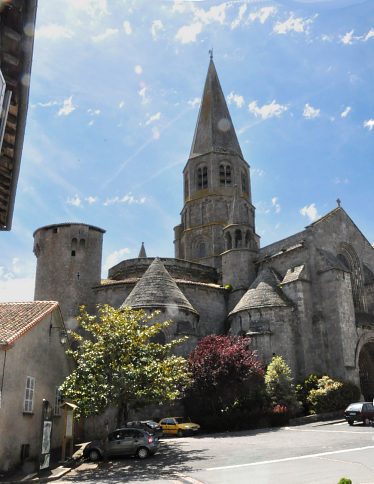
[(114, 98)]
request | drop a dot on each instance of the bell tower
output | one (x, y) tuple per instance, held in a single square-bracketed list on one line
[(215, 173)]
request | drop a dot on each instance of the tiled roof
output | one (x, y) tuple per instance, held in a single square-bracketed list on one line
[(157, 289), (264, 292), (295, 274), (16, 318)]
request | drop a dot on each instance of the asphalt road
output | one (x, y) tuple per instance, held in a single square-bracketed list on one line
[(314, 453)]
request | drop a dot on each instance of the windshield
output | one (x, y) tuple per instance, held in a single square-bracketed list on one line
[(355, 406), (182, 420)]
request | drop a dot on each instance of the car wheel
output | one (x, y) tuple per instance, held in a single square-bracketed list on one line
[(180, 433), (350, 422), (142, 453), (94, 455), (366, 421)]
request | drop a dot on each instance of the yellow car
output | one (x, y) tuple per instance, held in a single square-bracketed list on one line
[(179, 426)]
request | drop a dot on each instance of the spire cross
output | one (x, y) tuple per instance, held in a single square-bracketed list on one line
[(211, 53), (338, 201)]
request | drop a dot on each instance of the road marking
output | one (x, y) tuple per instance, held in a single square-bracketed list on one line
[(327, 431), (288, 459), (185, 479)]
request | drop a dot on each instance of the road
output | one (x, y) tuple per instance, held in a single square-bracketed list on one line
[(313, 453)]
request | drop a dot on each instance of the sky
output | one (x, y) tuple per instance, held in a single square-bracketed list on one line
[(114, 98)]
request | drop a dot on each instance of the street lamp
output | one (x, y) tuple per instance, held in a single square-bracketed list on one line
[(63, 334)]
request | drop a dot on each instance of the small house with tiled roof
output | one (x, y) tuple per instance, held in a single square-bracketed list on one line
[(308, 297), (33, 365)]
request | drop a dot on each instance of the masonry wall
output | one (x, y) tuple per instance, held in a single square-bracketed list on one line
[(43, 357)]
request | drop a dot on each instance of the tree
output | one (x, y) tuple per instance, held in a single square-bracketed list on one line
[(119, 363), (226, 377), (279, 385)]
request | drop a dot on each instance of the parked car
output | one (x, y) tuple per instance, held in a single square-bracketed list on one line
[(124, 441), (360, 412), (149, 425), (179, 426)]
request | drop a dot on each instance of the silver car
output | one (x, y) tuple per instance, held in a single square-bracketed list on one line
[(124, 442)]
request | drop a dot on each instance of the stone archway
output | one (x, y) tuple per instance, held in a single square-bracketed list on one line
[(366, 369)]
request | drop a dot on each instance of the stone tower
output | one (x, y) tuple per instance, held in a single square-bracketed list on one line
[(68, 266), (215, 166)]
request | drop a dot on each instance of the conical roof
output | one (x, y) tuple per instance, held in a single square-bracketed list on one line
[(142, 252), (264, 292), (214, 129), (157, 289)]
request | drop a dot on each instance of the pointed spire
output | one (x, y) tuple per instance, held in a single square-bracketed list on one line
[(214, 129), (157, 289), (142, 252)]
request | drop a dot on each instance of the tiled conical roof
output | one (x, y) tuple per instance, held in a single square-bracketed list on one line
[(214, 129), (157, 289), (264, 292)]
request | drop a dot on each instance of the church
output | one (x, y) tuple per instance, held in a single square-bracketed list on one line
[(308, 297)]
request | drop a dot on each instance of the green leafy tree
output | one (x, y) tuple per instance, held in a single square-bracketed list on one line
[(120, 363), (331, 395), (279, 385)]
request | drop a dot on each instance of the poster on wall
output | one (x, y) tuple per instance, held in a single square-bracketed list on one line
[(46, 444)]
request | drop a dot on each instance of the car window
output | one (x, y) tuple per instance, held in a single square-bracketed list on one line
[(357, 407), (116, 435)]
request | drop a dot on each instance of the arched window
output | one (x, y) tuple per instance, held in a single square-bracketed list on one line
[(244, 182), (202, 177), (82, 244), (238, 239), (74, 244), (224, 174), (201, 249), (186, 186), (228, 241), (351, 261)]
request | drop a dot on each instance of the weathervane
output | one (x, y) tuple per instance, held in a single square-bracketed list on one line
[(338, 201), (211, 53)]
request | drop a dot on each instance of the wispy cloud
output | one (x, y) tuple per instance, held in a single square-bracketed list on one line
[(262, 14), (369, 35), (292, 24), (369, 124), (156, 28), (194, 102), (116, 257), (127, 27), (67, 108), (235, 23), (138, 69), (91, 200), (275, 204), (74, 201), (153, 118), (341, 181), (347, 38), (143, 95), (53, 32), (189, 33), (346, 111), (266, 111), (310, 112), (93, 112), (237, 99), (310, 211), (128, 199), (107, 34)]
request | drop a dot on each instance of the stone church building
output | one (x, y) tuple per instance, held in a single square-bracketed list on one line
[(309, 297)]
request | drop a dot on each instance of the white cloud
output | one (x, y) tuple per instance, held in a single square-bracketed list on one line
[(257, 172), (310, 211), (67, 108), (138, 69), (153, 118), (369, 35), (189, 33), (217, 13), (292, 24), (74, 201), (127, 27), (326, 38), (47, 104), (92, 8), (127, 199), (105, 35), (143, 95), (121, 104), (310, 112), (341, 181), (156, 133), (194, 102), (262, 14), (267, 110), (53, 32), (115, 257), (239, 18), (237, 99), (91, 200), (276, 205), (91, 123), (17, 289), (346, 111), (347, 38), (369, 124), (93, 112), (156, 28)]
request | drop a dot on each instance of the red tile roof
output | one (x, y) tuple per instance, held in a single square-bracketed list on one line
[(16, 318)]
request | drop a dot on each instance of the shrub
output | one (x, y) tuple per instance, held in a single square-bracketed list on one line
[(332, 395), (344, 480), (303, 389)]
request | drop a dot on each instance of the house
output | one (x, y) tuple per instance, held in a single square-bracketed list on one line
[(33, 365), (17, 25)]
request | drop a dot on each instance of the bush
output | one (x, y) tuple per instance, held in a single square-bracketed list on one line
[(344, 480), (303, 389), (332, 395)]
